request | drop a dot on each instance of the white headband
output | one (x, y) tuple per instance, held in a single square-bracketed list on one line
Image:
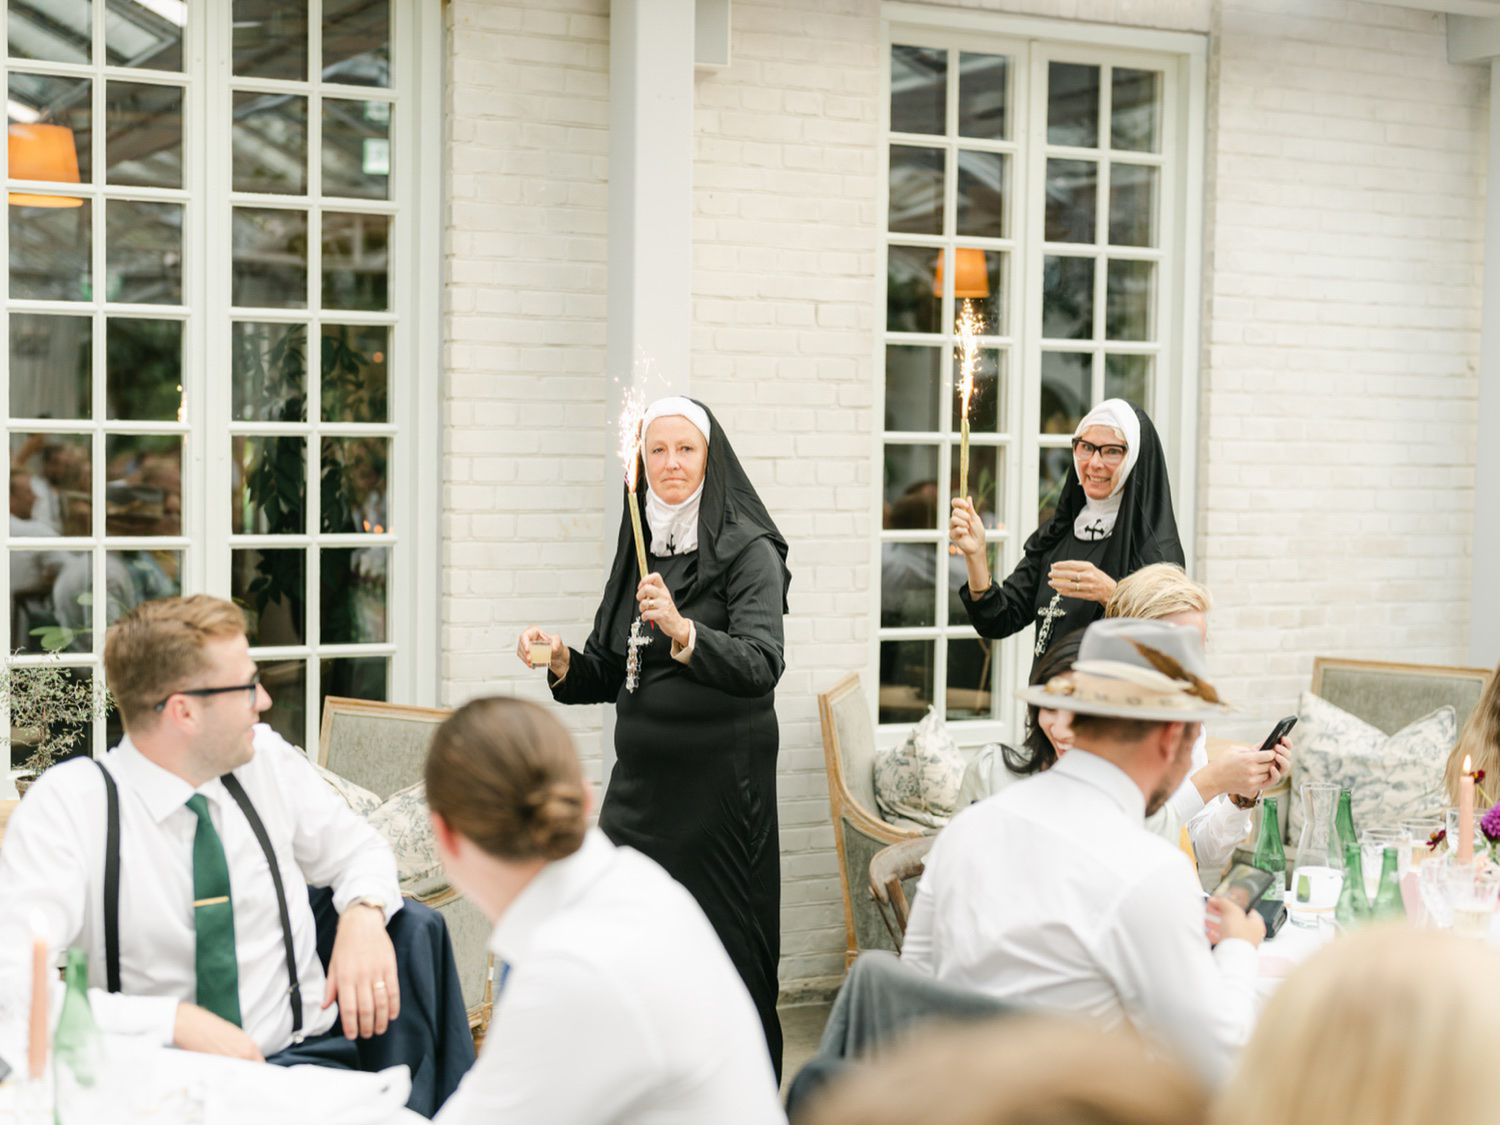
[(677, 404)]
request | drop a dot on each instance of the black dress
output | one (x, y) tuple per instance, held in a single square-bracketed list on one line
[(694, 782)]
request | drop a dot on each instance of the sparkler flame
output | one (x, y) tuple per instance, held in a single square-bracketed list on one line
[(632, 411), (970, 325)]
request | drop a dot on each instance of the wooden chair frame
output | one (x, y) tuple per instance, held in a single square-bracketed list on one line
[(892, 864), (1482, 675)]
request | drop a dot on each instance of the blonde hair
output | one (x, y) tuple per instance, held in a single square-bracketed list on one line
[(1158, 591), (157, 648), (1480, 740), (1384, 1027), (1018, 1070), (503, 772)]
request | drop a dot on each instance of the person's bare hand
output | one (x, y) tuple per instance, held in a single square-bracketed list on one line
[(1238, 770), (1080, 580), (198, 1029), (658, 608), (965, 528), (362, 973), (1225, 920), (534, 635)]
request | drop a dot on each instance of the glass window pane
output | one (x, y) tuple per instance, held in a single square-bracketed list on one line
[(1132, 205), (1130, 300), (919, 77), (913, 293), (269, 137), (982, 96), (1067, 382), (145, 33), (1072, 200), (355, 274), (986, 404), (357, 42), (50, 362), (49, 251), (37, 624), (971, 677), (980, 286), (270, 372), (982, 186), (910, 492), (50, 129), (133, 577), (985, 485), (1072, 105), (353, 595), (143, 252), (355, 372), (356, 148), (1067, 298), (270, 486), (144, 474), (143, 370), (906, 673), (908, 584), (61, 479), (285, 682), (354, 489), (270, 39), (1129, 377), (57, 31), (271, 587), (270, 258), (1135, 115), (916, 190), (356, 677), (1052, 474), (913, 387), (143, 134)]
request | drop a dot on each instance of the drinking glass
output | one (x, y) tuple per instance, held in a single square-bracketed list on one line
[(1432, 881), (1420, 830), (1372, 845), (1474, 894)]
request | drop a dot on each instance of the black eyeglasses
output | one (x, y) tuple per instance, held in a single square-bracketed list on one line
[(1085, 450), (250, 687)]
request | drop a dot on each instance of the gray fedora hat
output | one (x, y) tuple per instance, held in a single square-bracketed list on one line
[(1134, 669)]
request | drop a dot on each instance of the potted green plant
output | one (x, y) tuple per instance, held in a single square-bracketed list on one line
[(50, 711)]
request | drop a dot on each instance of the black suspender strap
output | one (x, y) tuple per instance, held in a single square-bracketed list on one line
[(111, 878), (112, 887), (241, 798)]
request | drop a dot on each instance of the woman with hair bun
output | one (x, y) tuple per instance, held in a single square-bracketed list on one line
[(616, 1002)]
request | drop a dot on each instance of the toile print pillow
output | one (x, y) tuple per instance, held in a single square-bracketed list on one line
[(360, 800), (917, 783), (404, 824), (1391, 778)]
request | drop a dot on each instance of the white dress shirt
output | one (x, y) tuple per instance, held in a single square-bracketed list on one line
[(1051, 894), (619, 1005), (1215, 827), (52, 866)]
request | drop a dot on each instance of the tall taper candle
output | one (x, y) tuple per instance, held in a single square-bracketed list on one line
[(1466, 813), (37, 1048)]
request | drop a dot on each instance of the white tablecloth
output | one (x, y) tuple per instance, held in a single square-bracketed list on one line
[(160, 1086)]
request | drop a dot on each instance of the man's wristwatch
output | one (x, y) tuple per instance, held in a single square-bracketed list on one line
[(1244, 802), (368, 900)]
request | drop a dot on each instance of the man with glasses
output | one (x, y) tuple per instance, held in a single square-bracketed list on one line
[(158, 861)]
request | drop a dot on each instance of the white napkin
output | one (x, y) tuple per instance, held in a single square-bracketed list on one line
[(256, 1094)]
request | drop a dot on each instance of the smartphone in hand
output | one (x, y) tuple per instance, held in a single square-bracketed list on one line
[(1280, 731)]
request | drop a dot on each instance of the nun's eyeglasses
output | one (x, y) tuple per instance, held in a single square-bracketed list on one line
[(1109, 454)]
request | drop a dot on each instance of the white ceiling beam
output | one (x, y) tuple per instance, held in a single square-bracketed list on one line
[(1473, 39)]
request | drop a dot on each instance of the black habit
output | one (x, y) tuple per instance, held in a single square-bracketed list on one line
[(694, 782), (1145, 532)]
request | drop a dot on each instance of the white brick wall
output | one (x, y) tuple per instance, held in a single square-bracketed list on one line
[(1341, 311)]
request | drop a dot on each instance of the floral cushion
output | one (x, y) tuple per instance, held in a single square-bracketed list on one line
[(916, 784), (1392, 778), (404, 824), (360, 800)]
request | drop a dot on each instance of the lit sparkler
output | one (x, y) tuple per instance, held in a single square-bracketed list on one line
[(632, 411), (969, 326)]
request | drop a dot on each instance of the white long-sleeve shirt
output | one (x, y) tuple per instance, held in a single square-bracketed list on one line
[(52, 867), (1215, 827), (1052, 894), (618, 1004)]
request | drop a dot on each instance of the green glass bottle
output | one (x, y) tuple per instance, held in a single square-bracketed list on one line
[(1344, 820), (1388, 905), (1353, 908), (77, 1050), (1269, 854)]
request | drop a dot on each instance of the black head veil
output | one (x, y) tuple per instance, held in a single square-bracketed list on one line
[(1145, 530), (730, 518)]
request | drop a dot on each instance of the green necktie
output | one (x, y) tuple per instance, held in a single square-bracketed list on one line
[(213, 920)]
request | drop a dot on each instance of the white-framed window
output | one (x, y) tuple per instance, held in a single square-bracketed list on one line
[(216, 335), (1053, 187)]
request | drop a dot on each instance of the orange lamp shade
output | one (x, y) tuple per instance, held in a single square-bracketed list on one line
[(973, 279), (43, 152)]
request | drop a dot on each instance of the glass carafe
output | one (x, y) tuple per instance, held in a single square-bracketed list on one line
[(1319, 873)]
